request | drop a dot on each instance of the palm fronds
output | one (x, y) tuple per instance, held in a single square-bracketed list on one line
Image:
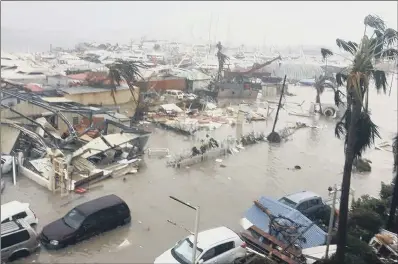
[(374, 22), (365, 133), (349, 46), (340, 78), (389, 53), (326, 53), (380, 79), (390, 36)]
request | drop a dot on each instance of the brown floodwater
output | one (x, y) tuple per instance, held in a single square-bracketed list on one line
[(223, 193)]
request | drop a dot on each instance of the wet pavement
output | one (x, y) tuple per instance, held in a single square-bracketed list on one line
[(223, 193)]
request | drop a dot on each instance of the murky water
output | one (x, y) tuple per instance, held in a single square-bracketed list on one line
[(223, 193)]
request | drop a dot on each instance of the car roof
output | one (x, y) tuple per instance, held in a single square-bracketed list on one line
[(301, 196), (12, 208), (13, 226), (213, 236), (100, 203)]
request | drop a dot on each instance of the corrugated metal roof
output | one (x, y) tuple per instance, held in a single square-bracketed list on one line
[(97, 145), (314, 236)]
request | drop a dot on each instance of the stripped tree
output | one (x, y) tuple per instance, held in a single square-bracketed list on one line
[(129, 71)]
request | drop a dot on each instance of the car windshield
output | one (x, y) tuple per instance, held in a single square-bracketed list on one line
[(183, 251), (287, 202), (74, 219)]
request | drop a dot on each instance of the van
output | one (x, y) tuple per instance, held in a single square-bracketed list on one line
[(16, 210), (18, 240), (175, 94), (86, 220)]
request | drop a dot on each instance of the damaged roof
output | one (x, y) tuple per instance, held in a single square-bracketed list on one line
[(98, 145), (314, 236)]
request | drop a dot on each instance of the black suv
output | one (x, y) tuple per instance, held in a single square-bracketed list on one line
[(86, 220)]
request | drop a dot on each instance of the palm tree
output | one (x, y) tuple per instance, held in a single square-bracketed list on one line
[(222, 58), (356, 124), (127, 71), (394, 202)]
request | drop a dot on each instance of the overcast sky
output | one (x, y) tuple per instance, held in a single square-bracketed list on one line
[(238, 22)]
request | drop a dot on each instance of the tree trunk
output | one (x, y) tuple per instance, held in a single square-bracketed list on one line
[(345, 186), (393, 207)]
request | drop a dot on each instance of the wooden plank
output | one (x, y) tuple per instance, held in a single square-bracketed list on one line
[(268, 249), (275, 241)]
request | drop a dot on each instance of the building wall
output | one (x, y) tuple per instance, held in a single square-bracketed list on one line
[(164, 84), (124, 100), (103, 98), (24, 108)]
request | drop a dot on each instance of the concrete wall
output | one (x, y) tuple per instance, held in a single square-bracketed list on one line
[(24, 108), (32, 175)]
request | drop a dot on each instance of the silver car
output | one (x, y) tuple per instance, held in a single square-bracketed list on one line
[(18, 240)]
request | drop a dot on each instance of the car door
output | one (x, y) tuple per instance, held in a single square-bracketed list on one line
[(88, 228), (220, 254)]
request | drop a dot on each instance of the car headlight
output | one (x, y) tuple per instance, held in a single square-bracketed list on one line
[(54, 242)]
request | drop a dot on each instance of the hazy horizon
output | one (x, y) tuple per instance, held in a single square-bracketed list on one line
[(36, 25)]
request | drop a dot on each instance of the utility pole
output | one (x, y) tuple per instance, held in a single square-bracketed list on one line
[(196, 230), (331, 220)]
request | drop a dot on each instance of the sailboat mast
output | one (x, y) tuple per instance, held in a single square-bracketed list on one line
[(211, 21)]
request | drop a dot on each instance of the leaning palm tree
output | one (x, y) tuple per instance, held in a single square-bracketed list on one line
[(356, 125), (128, 71), (222, 59)]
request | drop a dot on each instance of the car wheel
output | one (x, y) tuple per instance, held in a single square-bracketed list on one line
[(18, 255)]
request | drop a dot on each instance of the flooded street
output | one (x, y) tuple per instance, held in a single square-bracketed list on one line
[(223, 193)]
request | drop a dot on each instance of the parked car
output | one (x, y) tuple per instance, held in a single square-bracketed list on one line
[(16, 210), (86, 220), (305, 202), (175, 94), (18, 240), (6, 163), (190, 96), (218, 245)]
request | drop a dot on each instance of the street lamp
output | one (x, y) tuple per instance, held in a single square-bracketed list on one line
[(195, 238), (333, 191)]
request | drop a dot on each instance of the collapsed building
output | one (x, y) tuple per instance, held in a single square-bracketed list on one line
[(63, 145)]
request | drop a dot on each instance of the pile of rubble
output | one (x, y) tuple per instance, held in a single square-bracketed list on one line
[(64, 145)]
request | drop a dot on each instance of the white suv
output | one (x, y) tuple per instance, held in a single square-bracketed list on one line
[(16, 210), (218, 245), (175, 93)]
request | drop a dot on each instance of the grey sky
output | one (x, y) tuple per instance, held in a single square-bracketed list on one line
[(239, 22)]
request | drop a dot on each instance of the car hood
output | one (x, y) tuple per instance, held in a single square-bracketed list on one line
[(57, 230), (166, 258)]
